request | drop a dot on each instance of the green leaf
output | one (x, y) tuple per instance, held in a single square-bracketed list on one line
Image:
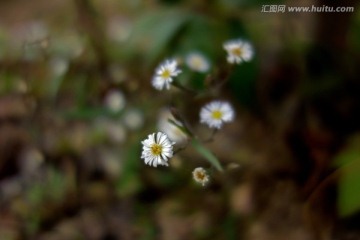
[(206, 154), (348, 162), (242, 83), (205, 35), (347, 157), (154, 32), (183, 129), (349, 189), (90, 113)]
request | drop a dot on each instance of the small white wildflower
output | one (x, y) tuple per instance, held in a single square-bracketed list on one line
[(157, 149), (133, 119), (30, 161), (118, 29), (37, 30), (21, 86), (58, 66), (200, 176), (238, 51), (164, 74), (197, 62), (215, 113), (115, 101), (110, 162), (116, 132), (173, 132)]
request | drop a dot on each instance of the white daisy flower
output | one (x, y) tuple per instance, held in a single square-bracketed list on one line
[(238, 51), (215, 113), (157, 149), (200, 176), (133, 119), (197, 62), (173, 132), (115, 101), (164, 74)]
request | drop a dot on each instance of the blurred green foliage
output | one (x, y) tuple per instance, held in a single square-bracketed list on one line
[(348, 164), (209, 156), (63, 81)]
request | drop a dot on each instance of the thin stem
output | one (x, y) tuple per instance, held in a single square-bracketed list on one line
[(212, 136), (181, 148), (183, 128), (327, 180), (183, 88), (226, 77)]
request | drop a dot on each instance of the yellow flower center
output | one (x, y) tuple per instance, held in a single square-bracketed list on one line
[(237, 51), (217, 114), (166, 73), (156, 149), (197, 62), (200, 175)]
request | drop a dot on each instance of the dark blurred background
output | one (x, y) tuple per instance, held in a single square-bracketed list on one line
[(76, 101)]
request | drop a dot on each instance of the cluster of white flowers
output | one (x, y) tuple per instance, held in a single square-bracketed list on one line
[(238, 51), (214, 114), (158, 147)]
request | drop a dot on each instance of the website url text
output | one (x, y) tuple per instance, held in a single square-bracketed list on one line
[(308, 9)]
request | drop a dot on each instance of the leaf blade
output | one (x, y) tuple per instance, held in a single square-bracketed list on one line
[(207, 154)]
